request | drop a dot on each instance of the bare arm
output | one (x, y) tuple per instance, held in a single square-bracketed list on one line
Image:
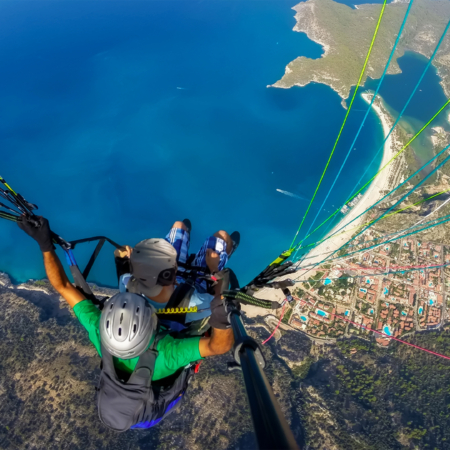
[(58, 279), (220, 342)]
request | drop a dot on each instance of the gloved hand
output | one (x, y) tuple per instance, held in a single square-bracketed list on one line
[(219, 315), (41, 234)]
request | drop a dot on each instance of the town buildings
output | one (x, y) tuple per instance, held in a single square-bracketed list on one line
[(391, 290)]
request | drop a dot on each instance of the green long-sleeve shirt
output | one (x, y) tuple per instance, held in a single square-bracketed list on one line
[(173, 353)]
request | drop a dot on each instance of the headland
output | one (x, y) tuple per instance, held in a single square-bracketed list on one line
[(346, 34)]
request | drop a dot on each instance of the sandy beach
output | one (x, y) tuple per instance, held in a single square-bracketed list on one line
[(372, 194)]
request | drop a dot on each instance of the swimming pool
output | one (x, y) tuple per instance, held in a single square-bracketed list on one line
[(363, 290), (431, 302), (322, 313), (387, 331), (327, 281), (305, 319), (371, 311), (403, 313), (420, 310), (386, 291), (347, 312)]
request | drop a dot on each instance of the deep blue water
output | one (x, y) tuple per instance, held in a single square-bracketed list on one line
[(94, 129), (429, 98)]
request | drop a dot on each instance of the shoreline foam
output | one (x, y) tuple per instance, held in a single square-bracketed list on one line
[(372, 194)]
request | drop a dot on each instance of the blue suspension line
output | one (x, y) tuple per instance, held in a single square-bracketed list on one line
[(312, 280), (389, 193), (365, 116), (399, 116), (346, 255), (388, 234), (406, 105), (393, 239), (392, 207)]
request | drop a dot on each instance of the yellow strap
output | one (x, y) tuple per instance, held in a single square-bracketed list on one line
[(192, 309)]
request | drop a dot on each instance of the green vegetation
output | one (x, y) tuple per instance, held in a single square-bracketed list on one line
[(301, 371), (395, 250), (396, 398), (317, 276), (40, 283), (49, 371), (341, 283), (348, 32), (365, 308), (287, 315)]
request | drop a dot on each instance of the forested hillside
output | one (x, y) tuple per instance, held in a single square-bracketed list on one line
[(350, 396)]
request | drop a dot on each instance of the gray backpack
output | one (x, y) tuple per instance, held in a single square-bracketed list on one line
[(135, 403)]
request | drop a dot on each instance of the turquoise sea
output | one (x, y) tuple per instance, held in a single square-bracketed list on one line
[(118, 118)]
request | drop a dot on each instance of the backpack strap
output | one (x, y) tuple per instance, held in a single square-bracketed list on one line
[(145, 367), (107, 363), (122, 404)]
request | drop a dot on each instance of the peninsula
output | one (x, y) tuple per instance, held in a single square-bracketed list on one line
[(346, 33)]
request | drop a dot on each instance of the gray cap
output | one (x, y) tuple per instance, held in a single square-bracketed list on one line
[(127, 325), (151, 259)]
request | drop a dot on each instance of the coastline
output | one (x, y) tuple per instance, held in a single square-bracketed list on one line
[(314, 19), (372, 194)]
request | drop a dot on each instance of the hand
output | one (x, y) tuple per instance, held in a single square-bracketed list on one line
[(212, 260), (123, 252), (41, 233), (219, 316)]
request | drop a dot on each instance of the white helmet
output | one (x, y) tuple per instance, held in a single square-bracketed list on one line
[(127, 325)]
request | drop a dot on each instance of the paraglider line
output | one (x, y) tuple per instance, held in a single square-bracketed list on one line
[(352, 196), (373, 246), (344, 122), (405, 269), (314, 244), (278, 324), (394, 338), (365, 116), (391, 208)]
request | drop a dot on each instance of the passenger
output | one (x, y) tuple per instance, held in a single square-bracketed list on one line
[(145, 371), (153, 256)]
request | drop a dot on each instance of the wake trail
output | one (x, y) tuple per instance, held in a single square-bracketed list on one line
[(290, 194)]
